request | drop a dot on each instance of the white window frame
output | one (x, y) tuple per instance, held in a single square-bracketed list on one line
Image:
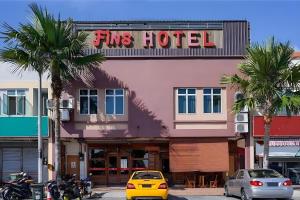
[(88, 96), (186, 95), (212, 100), (16, 95), (114, 96)]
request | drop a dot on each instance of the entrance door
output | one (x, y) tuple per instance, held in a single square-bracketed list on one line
[(73, 166), (113, 177)]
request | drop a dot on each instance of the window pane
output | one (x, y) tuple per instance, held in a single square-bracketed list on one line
[(12, 110), (119, 105), (139, 154), (98, 164), (21, 105), (140, 164), (217, 91), (124, 165), (83, 92), (191, 91), (93, 105), (84, 105), (191, 104), (119, 92), (112, 163), (207, 104), (93, 92), (217, 103), (181, 104), (109, 105), (109, 92), (181, 91), (207, 91), (21, 92), (97, 153), (11, 92)]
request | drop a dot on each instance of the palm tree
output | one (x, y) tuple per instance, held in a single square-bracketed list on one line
[(269, 82), (23, 51), (64, 51)]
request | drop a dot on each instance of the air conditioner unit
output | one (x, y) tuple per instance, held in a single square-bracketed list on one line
[(50, 104), (64, 115), (241, 128), (241, 117), (238, 96), (245, 110), (66, 103)]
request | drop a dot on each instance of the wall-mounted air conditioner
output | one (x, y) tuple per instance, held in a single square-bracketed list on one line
[(241, 117), (63, 103), (241, 127), (238, 96), (64, 115)]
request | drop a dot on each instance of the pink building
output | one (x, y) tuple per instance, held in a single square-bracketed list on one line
[(156, 102)]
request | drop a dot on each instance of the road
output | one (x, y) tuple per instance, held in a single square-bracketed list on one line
[(121, 196)]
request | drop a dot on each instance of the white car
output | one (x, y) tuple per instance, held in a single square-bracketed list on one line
[(259, 183)]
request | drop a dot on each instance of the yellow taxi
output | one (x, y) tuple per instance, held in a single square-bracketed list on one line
[(147, 185)]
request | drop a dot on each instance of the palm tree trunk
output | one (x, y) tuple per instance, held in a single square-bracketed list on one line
[(40, 140), (57, 139), (267, 127)]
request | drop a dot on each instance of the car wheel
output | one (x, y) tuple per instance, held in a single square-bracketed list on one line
[(244, 195), (226, 193)]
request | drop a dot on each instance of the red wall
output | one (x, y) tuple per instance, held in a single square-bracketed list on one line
[(281, 126)]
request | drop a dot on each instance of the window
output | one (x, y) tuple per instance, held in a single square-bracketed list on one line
[(212, 100), (186, 100), (14, 102), (97, 161), (114, 101), (241, 175), (139, 159), (88, 101)]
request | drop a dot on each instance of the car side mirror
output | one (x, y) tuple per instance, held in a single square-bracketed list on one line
[(166, 179)]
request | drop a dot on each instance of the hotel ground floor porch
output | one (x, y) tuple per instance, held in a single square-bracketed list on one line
[(194, 162)]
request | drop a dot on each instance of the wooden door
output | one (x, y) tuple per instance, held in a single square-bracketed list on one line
[(73, 165)]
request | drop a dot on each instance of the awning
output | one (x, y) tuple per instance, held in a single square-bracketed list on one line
[(203, 155), (279, 151)]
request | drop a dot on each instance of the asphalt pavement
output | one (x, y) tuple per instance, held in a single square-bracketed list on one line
[(120, 195)]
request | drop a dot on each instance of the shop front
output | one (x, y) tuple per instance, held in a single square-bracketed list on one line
[(112, 164)]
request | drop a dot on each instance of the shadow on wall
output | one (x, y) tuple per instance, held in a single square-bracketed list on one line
[(142, 122)]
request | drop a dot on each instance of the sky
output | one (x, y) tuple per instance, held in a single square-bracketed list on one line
[(278, 18)]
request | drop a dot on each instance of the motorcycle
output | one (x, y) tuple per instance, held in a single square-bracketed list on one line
[(86, 186), (18, 189), (53, 189), (69, 189)]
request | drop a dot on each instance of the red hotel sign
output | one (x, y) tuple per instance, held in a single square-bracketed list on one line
[(154, 39)]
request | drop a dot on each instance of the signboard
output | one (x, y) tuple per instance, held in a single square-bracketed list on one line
[(158, 39), (284, 143)]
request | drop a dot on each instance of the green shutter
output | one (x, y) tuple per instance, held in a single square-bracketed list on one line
[(21, 105), (5, 105)]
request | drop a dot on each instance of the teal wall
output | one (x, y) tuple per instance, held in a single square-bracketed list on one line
[(22, 126)]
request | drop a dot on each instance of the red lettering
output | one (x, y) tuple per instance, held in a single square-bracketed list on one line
[(107, 37), (147, 38), (192, 39), (99, 36), (163, 38), (206, 42), (115, 39), (178, 35), (126, 39)]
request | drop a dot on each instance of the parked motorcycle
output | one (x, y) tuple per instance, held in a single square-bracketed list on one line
[(18, 189), (53, 189), (69, 189), (86, 186)]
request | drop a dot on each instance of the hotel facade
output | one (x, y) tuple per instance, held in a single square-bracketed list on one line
[(155, 103)]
